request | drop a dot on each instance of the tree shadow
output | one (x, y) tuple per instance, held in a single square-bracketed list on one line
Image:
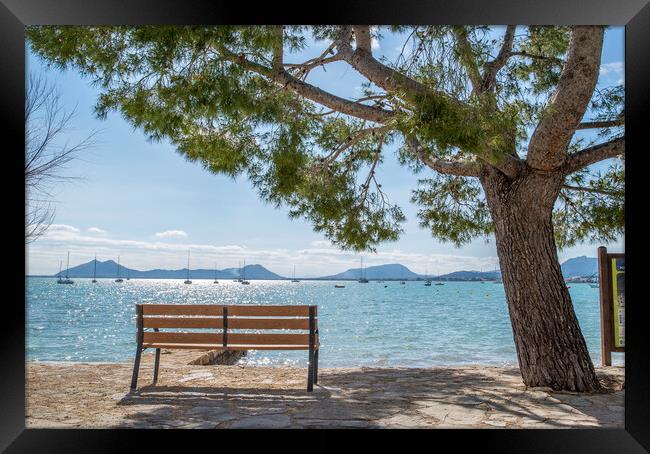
[(404, 397)]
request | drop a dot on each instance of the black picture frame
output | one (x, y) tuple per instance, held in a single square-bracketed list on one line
[(16, 14)]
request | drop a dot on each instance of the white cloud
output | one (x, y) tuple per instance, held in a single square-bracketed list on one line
[(97, 230), (613, 70), (62, 228), (171, 234), (321, 244)]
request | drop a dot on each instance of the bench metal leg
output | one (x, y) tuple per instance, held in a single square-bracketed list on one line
[(316, 367), (155, 367), (310, 371), (136, 367)]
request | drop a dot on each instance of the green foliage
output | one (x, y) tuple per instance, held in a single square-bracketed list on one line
[(548, 45), (596, 214), (608, 104), (453, 208)]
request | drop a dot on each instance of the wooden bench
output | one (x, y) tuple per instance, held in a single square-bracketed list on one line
[(218, 327)]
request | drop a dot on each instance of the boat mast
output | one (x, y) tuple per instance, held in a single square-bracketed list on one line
[(67, 265), (95, 269), (243, 271), (188, 264), (118, 266), (60, 268)]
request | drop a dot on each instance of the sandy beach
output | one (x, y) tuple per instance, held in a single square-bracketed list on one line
[(79, 395)]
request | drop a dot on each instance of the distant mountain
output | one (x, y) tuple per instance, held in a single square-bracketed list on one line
[(575, 267), (108, 269), (471, 276), (580, 266), (391, 271)]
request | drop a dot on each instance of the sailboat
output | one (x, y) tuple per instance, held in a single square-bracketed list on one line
[(243, 274), (402, 282), (187, 281), (119, 279), (499, 280), (215, 274), (67, 280), (439, 283), (427, 281), (128, 274), (294, 275), (95, 271), (363, 279), (60, 279), (239, 279)]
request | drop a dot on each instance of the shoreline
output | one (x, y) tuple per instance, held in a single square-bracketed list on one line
[(78, 394)]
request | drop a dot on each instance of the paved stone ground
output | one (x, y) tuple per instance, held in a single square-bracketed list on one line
[(96, 395)]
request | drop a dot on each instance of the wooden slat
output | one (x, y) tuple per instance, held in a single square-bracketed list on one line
[(268, 323), (233, 323), (183, 322), (219, 347), (233, 310), (267, 339), (268, 311), (182, 309), (233, 338), (183, 338)]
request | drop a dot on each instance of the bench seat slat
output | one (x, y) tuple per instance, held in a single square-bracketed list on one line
[(233, 310), (230, 347), (268, 311), (233, 323), (233, 338), (182, 309)]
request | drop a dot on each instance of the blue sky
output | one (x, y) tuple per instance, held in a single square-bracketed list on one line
[(145, 202)]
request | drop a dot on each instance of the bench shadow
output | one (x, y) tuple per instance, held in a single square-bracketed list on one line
[(362, 398)]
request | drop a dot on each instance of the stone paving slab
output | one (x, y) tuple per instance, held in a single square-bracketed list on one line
[(190, 396)]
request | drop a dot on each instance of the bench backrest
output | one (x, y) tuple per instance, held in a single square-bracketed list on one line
[(221, 326)]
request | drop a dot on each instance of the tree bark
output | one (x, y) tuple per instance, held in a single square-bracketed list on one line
[(550, 347)]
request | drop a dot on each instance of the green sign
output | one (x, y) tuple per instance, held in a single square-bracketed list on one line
[(618, 300)]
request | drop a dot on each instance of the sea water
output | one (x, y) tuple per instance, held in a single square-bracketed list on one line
[(377, 324)]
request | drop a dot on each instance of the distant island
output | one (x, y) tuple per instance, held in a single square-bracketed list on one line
[(578, 269)]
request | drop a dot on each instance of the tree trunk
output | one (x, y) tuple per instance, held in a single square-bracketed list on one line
[(550, 347)]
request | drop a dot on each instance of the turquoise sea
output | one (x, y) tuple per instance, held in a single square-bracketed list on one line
[(373, 324)]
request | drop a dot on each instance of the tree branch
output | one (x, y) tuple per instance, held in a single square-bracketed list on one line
[(353, 140), (595, 190), (548, 145), (278, 47), (493, 67), (555, 60), (309, 91), (458, 168), (601, 124), (362, 37), (321, 60), (591, 155), (375, 71), (467, 56)]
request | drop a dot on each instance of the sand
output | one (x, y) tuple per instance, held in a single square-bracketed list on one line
[(96, 395)]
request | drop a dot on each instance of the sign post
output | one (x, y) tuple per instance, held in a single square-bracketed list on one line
[(611, 276)]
